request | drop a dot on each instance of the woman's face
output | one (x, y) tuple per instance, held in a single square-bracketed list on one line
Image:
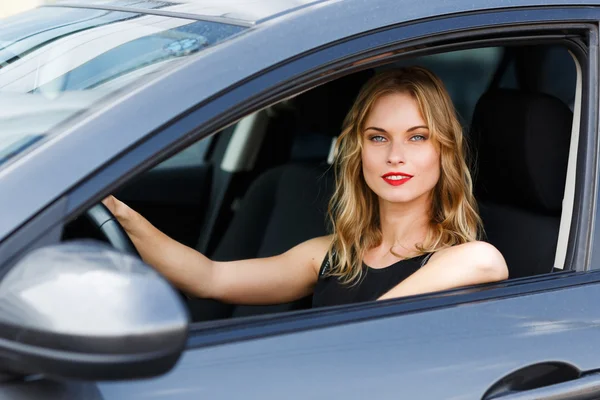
[(400, 162)]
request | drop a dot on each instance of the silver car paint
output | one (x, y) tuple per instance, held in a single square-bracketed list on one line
[(450, 353)]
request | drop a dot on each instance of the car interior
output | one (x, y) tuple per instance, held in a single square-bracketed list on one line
[(261, 185)]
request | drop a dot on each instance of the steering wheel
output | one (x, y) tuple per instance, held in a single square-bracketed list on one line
[(101, 217), (111, 230)]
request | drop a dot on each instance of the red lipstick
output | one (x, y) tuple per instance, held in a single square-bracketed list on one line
[(396, 178)]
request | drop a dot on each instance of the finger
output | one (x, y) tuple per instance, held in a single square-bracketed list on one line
[(108, 200)]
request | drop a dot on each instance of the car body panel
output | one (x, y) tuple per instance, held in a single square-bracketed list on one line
[(265, 10), (450, 353)]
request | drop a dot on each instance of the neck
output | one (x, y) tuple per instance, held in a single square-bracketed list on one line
[(403, 225)]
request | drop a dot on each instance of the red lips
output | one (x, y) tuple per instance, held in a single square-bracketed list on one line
[(396, 178)]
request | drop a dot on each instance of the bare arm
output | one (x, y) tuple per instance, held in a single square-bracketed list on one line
[(271, 280), (462, 265)]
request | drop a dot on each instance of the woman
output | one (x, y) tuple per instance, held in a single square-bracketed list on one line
[(403, 214)]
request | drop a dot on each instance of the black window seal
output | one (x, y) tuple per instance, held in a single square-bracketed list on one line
[(581, 232), (295, 84)]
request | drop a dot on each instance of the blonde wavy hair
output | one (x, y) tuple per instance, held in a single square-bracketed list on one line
[(354, 207)]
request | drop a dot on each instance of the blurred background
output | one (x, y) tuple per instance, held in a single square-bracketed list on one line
[(10, 7)]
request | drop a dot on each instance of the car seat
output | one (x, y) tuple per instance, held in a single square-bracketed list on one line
[(287, 205), (522, 145)]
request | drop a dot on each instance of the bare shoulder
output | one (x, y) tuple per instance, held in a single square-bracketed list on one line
[(478, 254), (318, 249), (312, 251)]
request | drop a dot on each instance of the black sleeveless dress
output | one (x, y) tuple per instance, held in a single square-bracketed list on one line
[(375, 282)]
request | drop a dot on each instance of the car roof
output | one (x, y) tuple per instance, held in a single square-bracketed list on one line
[(254, 12), (233, 11)]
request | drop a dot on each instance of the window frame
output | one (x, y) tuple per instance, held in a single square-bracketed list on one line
[(333, 61), (219, 332)]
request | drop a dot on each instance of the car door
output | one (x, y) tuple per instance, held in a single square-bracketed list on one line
[(505, 340)]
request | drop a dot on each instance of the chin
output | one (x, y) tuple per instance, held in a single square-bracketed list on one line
[(400, 195), (397, 197)]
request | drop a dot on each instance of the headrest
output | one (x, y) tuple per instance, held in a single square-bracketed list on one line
[(522, 147), (322, 110), (320, 115)]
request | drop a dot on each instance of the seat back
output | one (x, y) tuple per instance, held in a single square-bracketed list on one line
[(522, 145), (287, 205)]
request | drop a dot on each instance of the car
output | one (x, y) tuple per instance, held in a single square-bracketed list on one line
[(215, 120)]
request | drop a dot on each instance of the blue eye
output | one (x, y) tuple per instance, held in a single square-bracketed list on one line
[(418, 138), (377, 138)]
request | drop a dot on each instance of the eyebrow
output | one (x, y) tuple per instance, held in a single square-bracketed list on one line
[(414, 128)]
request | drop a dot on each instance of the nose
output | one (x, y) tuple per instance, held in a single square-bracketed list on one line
[(395, 155)]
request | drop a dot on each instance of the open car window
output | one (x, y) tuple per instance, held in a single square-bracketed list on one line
[(278, 196)]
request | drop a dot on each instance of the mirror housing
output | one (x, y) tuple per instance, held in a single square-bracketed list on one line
[(82, 310)]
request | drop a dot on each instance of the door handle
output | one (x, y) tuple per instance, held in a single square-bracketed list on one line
[(584, 388), (546, 381)]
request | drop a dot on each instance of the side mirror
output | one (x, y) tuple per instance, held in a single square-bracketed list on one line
[(82, 310)]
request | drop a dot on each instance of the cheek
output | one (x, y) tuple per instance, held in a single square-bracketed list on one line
[(366, 168), (371, 167), (368, 160), (431, 164)]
